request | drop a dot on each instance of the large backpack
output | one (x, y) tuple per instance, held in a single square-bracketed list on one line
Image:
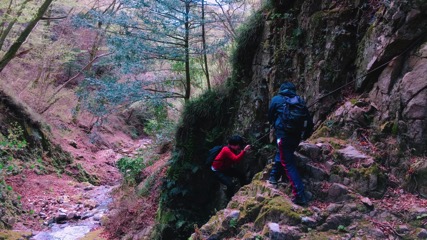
[(213, 152), (296, 118)]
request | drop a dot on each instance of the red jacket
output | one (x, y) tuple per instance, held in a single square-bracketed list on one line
[(226, 158)]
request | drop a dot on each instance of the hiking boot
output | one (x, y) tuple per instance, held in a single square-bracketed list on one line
[(300, 200), (272, 180)]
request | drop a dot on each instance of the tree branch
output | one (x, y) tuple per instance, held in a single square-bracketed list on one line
[(173, 94), (77, 75), (53, 18)]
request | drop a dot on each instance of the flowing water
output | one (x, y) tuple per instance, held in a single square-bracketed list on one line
[(75, 229)]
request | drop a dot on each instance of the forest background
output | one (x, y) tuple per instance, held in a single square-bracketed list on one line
[(113, 54), (108, 66)]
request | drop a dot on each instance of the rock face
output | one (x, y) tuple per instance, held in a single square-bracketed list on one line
[(361, 66), (400, 94), (331, 49)]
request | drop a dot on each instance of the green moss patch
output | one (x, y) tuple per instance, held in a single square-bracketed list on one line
[(95, 235), (14, 235), (277, 209), (249, 211)]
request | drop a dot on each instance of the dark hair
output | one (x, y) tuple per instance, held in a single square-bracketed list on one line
[(236, 140)]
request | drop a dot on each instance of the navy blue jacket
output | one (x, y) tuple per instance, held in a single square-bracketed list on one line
[(276, 107)]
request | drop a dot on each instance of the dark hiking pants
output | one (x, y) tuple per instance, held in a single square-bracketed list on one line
[(226, 178), (286, 157)]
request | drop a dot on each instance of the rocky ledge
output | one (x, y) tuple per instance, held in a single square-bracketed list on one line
[(353, 197)]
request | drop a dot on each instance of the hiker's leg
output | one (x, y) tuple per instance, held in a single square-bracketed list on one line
[(234, 172), (227, 181), (287, 148), (277, 170)]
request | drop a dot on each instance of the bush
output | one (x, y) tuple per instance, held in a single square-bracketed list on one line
[(131, 169), (9, 146)]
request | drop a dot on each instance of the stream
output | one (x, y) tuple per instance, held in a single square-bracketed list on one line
[(89, 220), (75, 221)]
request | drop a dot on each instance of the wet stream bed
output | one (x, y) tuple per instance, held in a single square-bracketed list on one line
[(67, 225)]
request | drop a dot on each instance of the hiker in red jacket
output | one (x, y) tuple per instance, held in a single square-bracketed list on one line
[(223, 168)]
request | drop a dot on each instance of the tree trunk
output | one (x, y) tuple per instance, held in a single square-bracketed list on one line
[(187, 51), (10, 54), (205, 58), (6, 32)]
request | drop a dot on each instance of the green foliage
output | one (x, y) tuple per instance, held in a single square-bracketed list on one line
[(294, 40), (164, 34), (39, 166), (233, 223), (148, 184), (354, 101), (422, 216), (148, 32), (215, 134), (342, 228), (199, 117), (12, 142), (275, 16), (163, 130), (130, 168), (249, 36), (202, 107), (395, 128), (196, 72), (107, 95), (9, 146), (159, 124)]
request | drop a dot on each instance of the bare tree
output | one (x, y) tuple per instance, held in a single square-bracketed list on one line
[(231, 13)]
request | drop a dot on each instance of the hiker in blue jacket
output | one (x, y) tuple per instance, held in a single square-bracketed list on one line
[(284, 161)]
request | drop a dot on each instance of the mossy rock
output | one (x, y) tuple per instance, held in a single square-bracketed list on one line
[(10, 206), (329, 235), (369, 181), (94, 235), (339, 170), (256, 188), (417, 177), (212, 224), (362, 172), (246, 231), (277, 209), (322, 131), (259, 176), (78, 172), (14, 235), (249, 210)]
